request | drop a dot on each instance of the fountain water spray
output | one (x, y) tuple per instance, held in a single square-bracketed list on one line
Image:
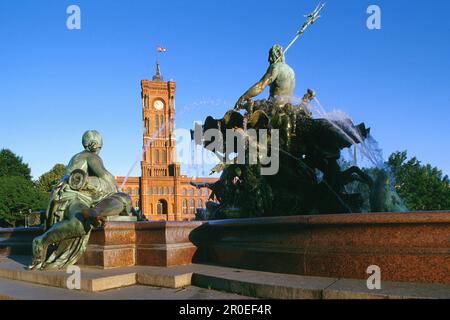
[(144, 150), (185, 109), (384, 189), (368, 147)]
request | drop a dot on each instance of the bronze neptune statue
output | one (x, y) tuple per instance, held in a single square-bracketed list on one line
[(309, 179), (80, 201), (279, 76)]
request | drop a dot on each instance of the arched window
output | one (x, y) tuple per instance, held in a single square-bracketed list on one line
[(146, 125), (184, 192), (163, 157), (199, 192), (166, 190), (172, 190), (191, 192), (155, 190), (156, 122), (185, 206), (192, 206), (161, 190), (144, 156), (199, 204), (161, 123), (145, 101), (161, 207), (156, 156)]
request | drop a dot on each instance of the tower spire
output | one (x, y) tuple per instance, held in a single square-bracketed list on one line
[(157, 76)]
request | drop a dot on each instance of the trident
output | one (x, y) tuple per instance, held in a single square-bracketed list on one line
[(312, 17)]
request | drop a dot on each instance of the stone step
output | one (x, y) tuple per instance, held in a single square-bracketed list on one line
[(283, 286), (95, 279), (260, 284), (234, 281), (357, 289), (19, 290)]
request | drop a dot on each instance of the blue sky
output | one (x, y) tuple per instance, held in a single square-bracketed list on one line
[(56, 83)]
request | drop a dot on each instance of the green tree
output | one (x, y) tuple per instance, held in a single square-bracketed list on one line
[(17, 196), (48, 180), (422, 187), (12, 165)]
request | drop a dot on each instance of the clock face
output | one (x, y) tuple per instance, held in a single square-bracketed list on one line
[(158, 104)]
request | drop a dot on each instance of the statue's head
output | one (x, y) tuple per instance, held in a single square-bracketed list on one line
[(276, 52), (92, 141)]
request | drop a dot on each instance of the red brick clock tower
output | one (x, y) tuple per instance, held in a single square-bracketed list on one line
[(160, 172), (162, 193)]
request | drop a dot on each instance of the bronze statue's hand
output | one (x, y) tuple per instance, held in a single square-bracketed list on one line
[(239, 104), (311, 94)]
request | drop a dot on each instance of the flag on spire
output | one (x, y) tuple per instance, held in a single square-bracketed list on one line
[(160, 49)]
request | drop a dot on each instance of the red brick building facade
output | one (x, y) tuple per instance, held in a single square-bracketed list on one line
[(162, 193)]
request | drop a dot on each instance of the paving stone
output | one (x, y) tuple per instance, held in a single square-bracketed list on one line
[(143, 282), (96, 279), (260, 284), (357, 289), (19, 290)]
